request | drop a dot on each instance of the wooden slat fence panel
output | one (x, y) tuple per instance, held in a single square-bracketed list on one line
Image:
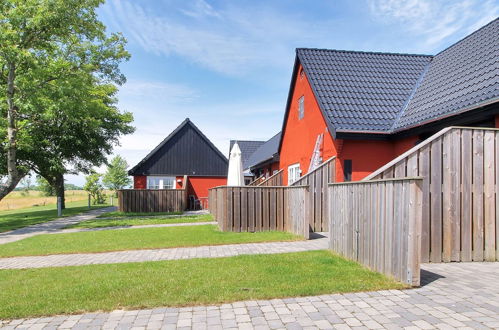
[(152, 200), (274, 180), (317, 181), (253, 209), (460, 171), (378, 224)]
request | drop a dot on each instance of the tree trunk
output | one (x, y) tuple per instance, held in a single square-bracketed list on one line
[(13, 174), (59, 189)]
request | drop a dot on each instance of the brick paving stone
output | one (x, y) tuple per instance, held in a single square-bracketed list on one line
[(216, 251)]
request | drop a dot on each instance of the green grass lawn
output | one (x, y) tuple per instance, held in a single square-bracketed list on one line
[(15, 219), (99, 223), (49, 291), (133, 239), (118, 214)]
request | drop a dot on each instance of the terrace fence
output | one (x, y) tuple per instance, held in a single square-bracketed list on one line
[(274, 180), (254, 209), (460, 205), (317, 181), (378, 224), (152, 200)]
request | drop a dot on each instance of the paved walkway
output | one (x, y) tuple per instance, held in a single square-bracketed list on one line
[(182, 224), (50, 226), (215, 251), (457, 295)]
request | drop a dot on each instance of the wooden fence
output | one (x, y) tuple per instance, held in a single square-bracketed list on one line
[(253, 209), (152, 200), (317, 182), (378, 224), (274, 180), (460, 208)]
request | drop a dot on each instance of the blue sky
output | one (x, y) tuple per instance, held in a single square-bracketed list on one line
[(227, 64)]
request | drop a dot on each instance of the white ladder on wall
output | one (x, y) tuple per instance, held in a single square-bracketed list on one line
[(316, 159)]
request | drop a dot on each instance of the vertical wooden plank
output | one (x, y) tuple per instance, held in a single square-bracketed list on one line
[(279, 209), (478, 195), (236, 209), (388, 234), (244, 209), (497, 193), (273, 209), (455, 200), (436, 200), (285, 210), (489, 196), (258, 210), (265, 209), (251, 209), (400, 169), (313, 211), (414, 233), (466, 195), (447, 211)]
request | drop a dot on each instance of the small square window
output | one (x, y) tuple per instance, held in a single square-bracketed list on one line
[(301, 107)]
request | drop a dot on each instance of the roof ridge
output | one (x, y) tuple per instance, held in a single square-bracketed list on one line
[(411, 96), (363, 52)]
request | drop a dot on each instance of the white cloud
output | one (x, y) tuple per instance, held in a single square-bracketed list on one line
[(158, 90), (234, 40), (435, 20), (200, 8)]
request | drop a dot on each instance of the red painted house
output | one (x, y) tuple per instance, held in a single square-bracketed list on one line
[(185, 152), (366, 108)]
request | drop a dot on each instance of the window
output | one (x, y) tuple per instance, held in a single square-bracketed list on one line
[(294, 173), (160, 182), (301, 107), (347, 169)]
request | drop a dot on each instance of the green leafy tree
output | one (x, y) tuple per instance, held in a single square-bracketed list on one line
[(59, 73), (116, 176), (95, 188), (44, 186)]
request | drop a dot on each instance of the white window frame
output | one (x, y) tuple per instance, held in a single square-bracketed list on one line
[(301, 107), (294, 173), (161, 182)]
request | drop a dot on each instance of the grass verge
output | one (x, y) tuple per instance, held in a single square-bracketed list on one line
[(10, 220), (118, 214), (134, 239), (49, 291), (100, 223)]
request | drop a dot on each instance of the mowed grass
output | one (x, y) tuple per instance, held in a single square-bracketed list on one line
[(134, 239), (118, 214), (49, 291), (100, 223), (10, 220)]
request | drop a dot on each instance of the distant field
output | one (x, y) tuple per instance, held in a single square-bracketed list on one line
[(17, 200)]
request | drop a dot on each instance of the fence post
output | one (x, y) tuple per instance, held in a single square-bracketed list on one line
[(59, 206)]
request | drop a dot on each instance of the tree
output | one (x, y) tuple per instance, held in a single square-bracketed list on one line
[(116, 176), (44, 186), (95, 188), (58, 77)]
